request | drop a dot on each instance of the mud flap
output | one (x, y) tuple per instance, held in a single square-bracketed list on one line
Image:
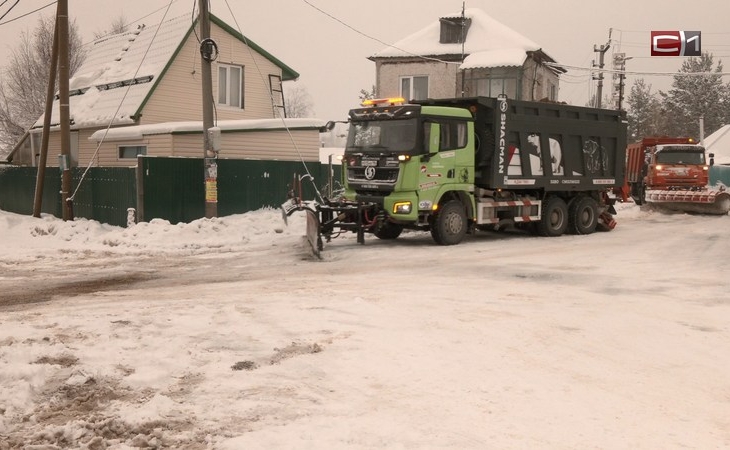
[(606, 221)]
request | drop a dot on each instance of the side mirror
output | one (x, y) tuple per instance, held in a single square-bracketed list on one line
[(712, 159)]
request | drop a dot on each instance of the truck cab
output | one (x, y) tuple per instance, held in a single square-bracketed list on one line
[(405, 157), (673, 166)]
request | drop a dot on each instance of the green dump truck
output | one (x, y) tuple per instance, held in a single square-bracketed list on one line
[(451, 166)]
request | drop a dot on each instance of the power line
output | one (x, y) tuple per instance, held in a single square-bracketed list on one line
[(593, 69), (9, 9), (648, 31), (374, 38)]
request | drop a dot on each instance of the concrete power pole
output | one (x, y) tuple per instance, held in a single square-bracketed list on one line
[(602, 50), (619, 65), (208, 54)]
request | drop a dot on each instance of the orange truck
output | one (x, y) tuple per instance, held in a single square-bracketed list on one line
[(672, 173)]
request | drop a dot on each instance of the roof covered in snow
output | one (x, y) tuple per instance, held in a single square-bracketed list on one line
[(488, 43), (121, 71), (719, 144)]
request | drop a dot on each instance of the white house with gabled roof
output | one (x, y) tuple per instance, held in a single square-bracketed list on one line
[(466, 55), (140, 92), (719, 144)]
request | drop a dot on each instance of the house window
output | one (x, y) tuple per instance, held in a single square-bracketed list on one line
[(492, 87), (414, 88), (230, 85), (131, 151)]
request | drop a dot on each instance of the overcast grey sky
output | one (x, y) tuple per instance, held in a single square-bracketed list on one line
[(331, 55)]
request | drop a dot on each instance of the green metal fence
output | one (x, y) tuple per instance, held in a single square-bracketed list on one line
[(719, 174), (17, 190), (173, 188), (165, 188), (104, 194)]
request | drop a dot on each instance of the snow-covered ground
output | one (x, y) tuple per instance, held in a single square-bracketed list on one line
[(226, 334)]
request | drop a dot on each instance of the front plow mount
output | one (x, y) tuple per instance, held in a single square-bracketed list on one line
[(328, 218), (327, 221)]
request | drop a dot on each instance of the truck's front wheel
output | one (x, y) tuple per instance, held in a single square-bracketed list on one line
[(449, 226), (554, 219)]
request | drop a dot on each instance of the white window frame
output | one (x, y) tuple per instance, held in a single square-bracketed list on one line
[(141, 150), (224, 88), (410, 95)]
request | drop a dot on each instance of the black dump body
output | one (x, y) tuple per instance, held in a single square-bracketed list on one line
[(551, 146)]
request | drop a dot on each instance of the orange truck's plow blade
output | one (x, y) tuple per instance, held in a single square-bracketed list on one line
[(705, 201)]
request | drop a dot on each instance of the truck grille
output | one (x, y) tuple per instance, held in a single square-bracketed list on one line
[(381, 175)]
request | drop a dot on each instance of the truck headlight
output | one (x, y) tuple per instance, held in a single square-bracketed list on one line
[(402, 208)]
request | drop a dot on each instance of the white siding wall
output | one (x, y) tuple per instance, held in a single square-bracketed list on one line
[(178, 97), (108, 156), (268, 145)]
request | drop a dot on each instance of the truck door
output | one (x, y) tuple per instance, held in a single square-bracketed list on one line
[(449, 161)]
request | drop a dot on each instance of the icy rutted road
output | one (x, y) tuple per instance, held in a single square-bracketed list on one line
[(225, 334)]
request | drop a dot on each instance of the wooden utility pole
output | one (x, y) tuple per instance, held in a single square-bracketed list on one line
[(65, 115), (208, 52), (41, 174)]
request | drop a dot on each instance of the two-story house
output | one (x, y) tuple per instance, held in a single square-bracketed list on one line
[(464, 55), (140, 93)]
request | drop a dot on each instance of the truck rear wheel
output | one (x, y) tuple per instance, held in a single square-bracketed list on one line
[(554, 219), (449, 226), (583, 215)]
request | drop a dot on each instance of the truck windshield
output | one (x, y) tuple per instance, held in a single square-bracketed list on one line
[(383, 135), (680, 156)]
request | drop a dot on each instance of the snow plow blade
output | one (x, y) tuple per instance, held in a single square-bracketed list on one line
[(702, 202), (314, 236)]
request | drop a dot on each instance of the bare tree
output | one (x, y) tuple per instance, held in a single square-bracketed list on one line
[(24, 80), (298, 102), (367, 95), (118, 26)]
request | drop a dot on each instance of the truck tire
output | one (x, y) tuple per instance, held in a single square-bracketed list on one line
[(582, 215), (388, 230), (638, 193), (450, 224), (554, 219)]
